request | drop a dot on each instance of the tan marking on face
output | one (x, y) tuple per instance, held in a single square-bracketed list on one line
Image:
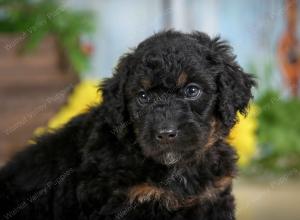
[(146, 83), (213, 134), (182, 79)]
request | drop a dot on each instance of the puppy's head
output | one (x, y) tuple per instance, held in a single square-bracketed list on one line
[(180, 93)]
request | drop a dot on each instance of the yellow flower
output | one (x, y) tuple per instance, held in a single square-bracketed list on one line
[(84, 95), (243, 136)]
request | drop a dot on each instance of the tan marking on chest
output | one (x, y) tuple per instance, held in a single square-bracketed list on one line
[(146, 192)]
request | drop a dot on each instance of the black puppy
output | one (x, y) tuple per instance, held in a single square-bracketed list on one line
[(154, 149)]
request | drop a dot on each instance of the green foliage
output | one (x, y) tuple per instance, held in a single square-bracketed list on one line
[(278, 133), (264, 73), (38, 18)]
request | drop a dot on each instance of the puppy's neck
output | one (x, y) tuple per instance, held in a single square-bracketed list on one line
[(190, 184), (186, 181), (173, 199)]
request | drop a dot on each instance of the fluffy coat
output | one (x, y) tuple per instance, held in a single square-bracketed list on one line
[(110, 163)]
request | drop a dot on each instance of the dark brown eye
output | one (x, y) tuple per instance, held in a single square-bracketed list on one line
[(143, 97), (192, 91)]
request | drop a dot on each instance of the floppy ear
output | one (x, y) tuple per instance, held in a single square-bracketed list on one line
[(114, 101), (234, 85)]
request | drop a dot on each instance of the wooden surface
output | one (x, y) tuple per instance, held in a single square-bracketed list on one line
[(32, 89)]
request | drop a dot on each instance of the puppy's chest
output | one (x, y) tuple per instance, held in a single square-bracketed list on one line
[(182, 183), (175, 190)]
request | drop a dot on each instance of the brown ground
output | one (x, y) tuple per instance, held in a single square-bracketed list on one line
[(268, 200)]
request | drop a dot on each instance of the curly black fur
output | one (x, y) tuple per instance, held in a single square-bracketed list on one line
[(112, 163)]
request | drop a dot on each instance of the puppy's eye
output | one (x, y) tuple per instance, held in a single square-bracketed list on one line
[(192, 91), (143, 97)]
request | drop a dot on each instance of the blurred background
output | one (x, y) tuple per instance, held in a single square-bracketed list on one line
[(54, 53)]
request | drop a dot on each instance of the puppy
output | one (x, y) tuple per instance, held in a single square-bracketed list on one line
[(154, 149)]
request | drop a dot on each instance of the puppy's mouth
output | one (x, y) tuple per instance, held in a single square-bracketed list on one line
[(170, 158), (167, 158), (170, 154)]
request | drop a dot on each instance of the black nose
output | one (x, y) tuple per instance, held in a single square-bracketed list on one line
[(166, 135)]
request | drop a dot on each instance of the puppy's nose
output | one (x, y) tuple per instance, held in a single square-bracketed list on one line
[(166, 135)]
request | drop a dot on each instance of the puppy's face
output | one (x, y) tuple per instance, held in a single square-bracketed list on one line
[(172, 106), (172, 114), (182, 93)]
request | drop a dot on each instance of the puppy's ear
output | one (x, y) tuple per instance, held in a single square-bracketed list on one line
[(234, 85), (114, 101)]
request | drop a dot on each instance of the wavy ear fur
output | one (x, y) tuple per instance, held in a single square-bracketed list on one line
[(113, 95), (234, 85)]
